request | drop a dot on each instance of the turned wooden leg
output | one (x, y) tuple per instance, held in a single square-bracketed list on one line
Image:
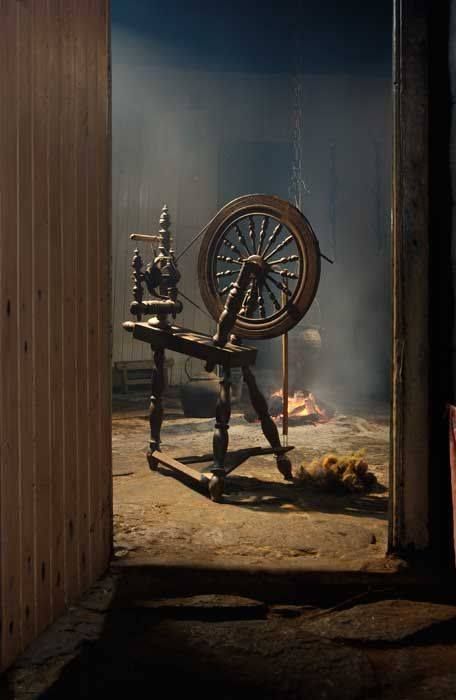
[(268, 426), (220, 440), (156, 406)]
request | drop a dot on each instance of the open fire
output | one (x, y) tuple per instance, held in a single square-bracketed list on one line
[(303, 407)]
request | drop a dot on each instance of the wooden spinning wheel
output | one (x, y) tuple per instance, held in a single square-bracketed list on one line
[(279, 243), (258, 271)]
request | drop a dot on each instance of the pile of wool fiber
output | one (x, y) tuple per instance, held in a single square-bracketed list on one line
[(338, 473)]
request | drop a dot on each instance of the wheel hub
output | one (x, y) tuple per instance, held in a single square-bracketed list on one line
[(261, 267)]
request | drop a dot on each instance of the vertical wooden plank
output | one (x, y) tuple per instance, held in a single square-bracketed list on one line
[(10, 542), (3, 125), (3, 210), (57, 308), (94, 329), (69, 379), (25, 253), (103, 150), (3, 96), (106, 357), (97, 445), (40, 292), (81, 308)]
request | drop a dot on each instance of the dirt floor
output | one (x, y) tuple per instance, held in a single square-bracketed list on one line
[(263, 520)]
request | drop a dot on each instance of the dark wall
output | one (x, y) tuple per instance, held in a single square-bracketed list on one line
[(204, 110), (256, 37)]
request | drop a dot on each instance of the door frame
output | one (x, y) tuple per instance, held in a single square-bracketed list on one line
[(420, 502)]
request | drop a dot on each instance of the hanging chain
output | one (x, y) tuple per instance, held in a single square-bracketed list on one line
[(298, 187)]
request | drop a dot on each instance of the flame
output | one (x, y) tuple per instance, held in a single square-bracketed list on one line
[(303, 403)]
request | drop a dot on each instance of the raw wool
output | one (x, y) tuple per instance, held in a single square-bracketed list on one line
[(338, 473)]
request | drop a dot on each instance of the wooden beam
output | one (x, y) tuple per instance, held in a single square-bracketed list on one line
[(409, 510)]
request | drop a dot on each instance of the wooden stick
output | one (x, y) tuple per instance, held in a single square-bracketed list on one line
[(144, 237), (284, 382)]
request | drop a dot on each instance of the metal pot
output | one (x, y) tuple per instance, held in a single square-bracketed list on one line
[(310, 338), (305, 349), (199, 396)]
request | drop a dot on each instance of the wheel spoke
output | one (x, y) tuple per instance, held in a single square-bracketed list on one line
[(246, 307), (272, 238), (253, 301), (232, 247), (285, 273), (225, 290), (272, 297), (226, 273), (261, 303), (242, 240), (283, 261), (263, 229), (227, 259), (246, 299), (252, 233), (283, 288), (281, 245)]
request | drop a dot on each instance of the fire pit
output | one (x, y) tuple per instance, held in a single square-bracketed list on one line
[(303, 408)]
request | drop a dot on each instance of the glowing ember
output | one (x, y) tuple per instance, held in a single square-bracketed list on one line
[(300, 404), (303, 408)]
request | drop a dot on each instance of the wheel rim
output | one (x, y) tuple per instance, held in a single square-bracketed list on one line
[(273, 230)]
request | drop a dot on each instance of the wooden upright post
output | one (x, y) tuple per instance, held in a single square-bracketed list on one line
[(156, 406), (409, 485), (284, 383)]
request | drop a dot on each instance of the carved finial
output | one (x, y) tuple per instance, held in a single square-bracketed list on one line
[(165, 223), (138, 277), (165, 219)]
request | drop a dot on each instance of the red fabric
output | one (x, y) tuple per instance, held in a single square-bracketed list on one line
[(452, 424)]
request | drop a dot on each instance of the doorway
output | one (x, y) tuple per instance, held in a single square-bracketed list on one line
[(181, 124)]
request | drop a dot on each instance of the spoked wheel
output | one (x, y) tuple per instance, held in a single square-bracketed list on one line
[(275, 236)]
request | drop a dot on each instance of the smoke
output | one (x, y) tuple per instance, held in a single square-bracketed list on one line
[(202, 115)]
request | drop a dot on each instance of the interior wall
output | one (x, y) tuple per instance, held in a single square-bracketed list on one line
[(186, 138), (55, 469)]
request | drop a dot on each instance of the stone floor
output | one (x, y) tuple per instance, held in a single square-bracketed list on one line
[(263, 521), (232, 599), (227, 646)]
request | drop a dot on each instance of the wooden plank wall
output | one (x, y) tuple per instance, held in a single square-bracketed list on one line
[(55, 467)]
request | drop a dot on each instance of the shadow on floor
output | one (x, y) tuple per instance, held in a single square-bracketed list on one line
[(142, 651), (136, 656), (270, 497)]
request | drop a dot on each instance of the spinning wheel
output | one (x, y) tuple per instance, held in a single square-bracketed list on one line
[(258, 270), (283, 250)]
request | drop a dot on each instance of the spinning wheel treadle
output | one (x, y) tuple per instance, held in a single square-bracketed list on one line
[(258, 270)]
